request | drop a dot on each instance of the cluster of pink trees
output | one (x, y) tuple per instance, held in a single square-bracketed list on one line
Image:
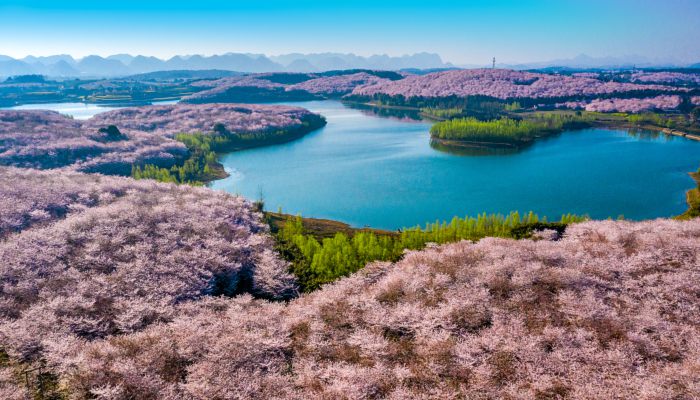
[(135, 289), (46, 139), (695, 100), (168, 120), (632, 105), (337, 84), (220, 86), (99, 256), (665, 77), (31, 197), (123, 302), (594, 75), (499, 83), (313, 84)]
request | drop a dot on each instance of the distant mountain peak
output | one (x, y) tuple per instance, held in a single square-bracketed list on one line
[(127, 64)]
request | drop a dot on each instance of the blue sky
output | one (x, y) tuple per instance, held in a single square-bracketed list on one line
[(460, 31)]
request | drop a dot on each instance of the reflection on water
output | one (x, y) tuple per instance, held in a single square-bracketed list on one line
[(80, 110), (643, 134), (474, 150), (395, 113)]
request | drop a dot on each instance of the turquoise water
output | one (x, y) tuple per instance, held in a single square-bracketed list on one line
[(382, 172), (76, 110)]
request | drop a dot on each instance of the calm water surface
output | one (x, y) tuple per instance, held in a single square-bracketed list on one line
[(382, 172), (76, 110)]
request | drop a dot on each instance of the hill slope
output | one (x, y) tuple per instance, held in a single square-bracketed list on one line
[(47, 139), (500, 84), (609, 311), (85, 257)]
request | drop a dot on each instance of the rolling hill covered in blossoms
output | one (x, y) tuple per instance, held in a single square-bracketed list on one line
[(114, 288), (46, 139), (605, 91), (622, 91), (502, 84), (287, 86), (121, 288), (364, 200)]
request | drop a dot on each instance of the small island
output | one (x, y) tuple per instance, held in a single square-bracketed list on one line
[(504, 132), (509, 109)]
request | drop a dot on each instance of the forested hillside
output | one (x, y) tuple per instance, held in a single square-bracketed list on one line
[(87, 257), (608, 311), (113, 142)]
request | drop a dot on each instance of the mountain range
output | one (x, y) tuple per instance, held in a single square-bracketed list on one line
[(583, 61), (116, 65), (125, 64)]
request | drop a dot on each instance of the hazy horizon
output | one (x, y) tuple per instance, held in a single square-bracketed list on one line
[(602, 61), (460, 32)]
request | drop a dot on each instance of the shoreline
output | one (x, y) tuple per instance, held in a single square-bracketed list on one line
[(499, 145), (323, 226), (461, 144), (219, 172), (596, 123), (320, 228), (691, 136)]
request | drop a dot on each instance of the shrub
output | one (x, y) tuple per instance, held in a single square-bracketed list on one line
[(315, 263)]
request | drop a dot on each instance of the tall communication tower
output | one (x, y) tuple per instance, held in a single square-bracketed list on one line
[(493, 66)]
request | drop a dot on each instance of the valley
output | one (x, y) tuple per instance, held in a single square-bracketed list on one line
[(295, 222)]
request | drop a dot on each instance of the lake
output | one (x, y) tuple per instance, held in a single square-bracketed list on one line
[(76, 110), (382, 172)]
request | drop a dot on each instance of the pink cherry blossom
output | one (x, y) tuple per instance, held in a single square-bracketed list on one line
[(110, 255), (337, 84), (634, 105), (167, 120), (313, 84), (665, 77), (500, 83), (46, 139), (117, 297)]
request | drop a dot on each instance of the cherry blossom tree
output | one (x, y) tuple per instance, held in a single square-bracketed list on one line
[(46, 139), (631, 105), (110, 255), (666, 77), (501, 84), (608, 310)]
